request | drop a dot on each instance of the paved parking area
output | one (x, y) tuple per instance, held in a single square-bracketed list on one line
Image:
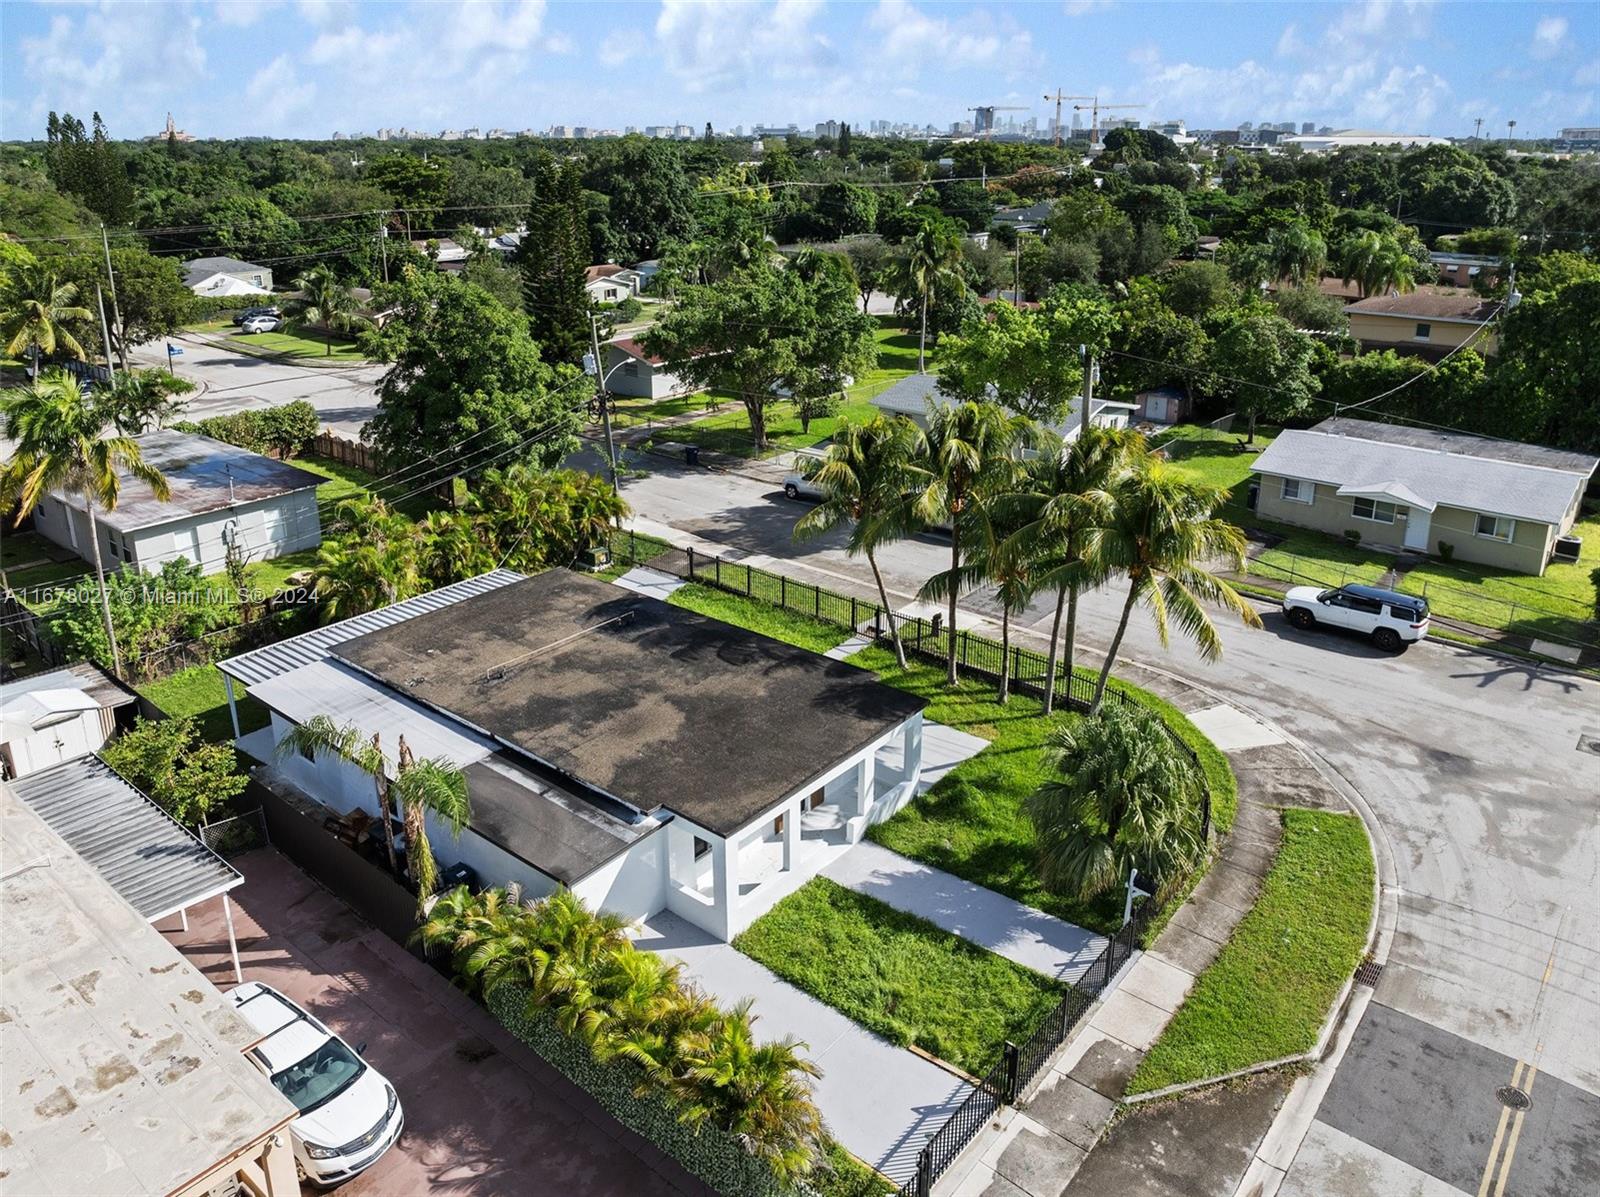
[(483, 1114)]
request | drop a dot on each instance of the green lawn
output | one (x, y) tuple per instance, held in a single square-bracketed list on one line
[(349, 482), (899, 975), (846, 1176), (272, 575), (17, 547), (1217, 459), (788, 626), (1266, 995), (198, 691), (296, 345)]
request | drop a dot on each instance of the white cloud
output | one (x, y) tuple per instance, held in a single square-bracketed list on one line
[(243, 13), (620, 45), (1549, 35), (914, 41), (1290, 43), (278, 84), (1587, 75), (716, 47), (1081, 8)]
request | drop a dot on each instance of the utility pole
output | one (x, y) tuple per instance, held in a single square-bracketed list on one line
[(1088, 390), (383, 247), (600, 397), (1511, 133), (1477, 129), (105, 332), (116, 311)]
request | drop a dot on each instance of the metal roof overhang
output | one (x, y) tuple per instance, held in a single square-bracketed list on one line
[(1392, 491)]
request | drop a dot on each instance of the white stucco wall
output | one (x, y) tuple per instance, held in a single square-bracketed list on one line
[(643, 382), (634, 884)]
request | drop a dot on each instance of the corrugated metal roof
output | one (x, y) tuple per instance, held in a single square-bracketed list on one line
[(263, 664), (144, 854)]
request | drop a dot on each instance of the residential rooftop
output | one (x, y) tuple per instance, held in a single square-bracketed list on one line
[(1460, 442), (124, 1067), (646, 703), (1462, 306), (204, 475), (196, 269)]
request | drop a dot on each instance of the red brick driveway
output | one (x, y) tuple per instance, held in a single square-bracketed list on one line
[(483, 1114)]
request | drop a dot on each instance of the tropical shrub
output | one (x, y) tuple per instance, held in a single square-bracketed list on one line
[(185, 776), (149, 612), (286, 429), (621, 1022)]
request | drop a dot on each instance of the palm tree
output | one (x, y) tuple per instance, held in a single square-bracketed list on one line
[(968, 457), (140, 399), (1161, 538), (461, 921), (992, 554), (60, 439), (429, 786), (864, 483), (1297, 252), (320, 734), (1376, 262), (1069, 489), (932, 252), (326, 301), (1123, 797), (375, 563), (34, 308)]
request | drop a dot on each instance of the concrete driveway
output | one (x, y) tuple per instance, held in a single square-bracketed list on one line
[(483, 1114), (881, 1101)]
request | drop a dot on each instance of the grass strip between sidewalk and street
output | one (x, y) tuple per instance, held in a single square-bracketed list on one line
[(788, 626), (899, 975), (1268, 992)]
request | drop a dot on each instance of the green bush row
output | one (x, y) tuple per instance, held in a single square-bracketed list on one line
[(285, 430)]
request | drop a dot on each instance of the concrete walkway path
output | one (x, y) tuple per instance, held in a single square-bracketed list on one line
[(882, 1102), (1029, 937), (643, 580)]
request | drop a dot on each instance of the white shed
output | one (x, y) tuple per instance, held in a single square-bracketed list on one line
[(58, 716)]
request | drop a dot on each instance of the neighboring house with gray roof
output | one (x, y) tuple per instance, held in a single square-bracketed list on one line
[(199, 275), (918, 396), (220, 494), (1495, 503)]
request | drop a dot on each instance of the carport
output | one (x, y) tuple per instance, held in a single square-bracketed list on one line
[(157, 865)]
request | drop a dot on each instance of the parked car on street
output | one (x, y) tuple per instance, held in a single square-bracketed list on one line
[(262, 324), (349, 1114), (797, 483), (1390, 618), (244, 314)]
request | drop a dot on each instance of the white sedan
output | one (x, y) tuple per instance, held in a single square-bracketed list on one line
[(262, 324), (797, 483)]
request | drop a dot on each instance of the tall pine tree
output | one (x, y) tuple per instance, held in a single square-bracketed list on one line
[(553, 257)]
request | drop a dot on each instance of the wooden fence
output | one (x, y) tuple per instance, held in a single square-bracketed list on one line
[(346, 452)]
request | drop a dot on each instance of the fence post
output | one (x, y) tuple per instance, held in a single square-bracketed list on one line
[(691, 563), (924, 1173), (854, 619), (783, 591), (816, 601), (1205, 814), (716, 570), (747, 580), (1012, 1061)]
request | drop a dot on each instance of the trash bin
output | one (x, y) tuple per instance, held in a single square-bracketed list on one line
[(691, 455), (458, 874), (1252, 495)]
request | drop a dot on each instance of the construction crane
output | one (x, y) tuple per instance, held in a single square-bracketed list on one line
[(983, 117), (1055, 126), (1094, 109)]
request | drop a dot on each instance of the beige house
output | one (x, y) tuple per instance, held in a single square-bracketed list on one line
[(1424, 323), (1496, 503)]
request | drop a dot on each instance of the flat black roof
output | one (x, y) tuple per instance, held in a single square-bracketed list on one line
[(649, 703)]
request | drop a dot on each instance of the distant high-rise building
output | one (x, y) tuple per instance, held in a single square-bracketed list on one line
[(1307, 127)]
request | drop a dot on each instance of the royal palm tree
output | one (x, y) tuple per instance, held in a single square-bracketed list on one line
[(759, 1091), (968, 456), (1067, 490), (992, 555), (931, 253), (1124, 796), (321, 735), (61, 444), (34, 309), (1376, 262), (1161, 538), (326, 301), (429, 786), (864, 483)]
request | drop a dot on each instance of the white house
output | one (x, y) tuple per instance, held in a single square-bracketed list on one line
[(645, 756), (632, 371), (226, 276), (220, 494), (606, 284), (58, 716), (918, 396)]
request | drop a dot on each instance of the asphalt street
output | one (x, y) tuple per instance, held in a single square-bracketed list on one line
[(344, 396), (1482, 775)]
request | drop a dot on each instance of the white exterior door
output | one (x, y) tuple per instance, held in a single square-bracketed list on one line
[(1419, 524), (1156, 408)]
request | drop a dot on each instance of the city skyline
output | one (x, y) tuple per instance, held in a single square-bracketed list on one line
[(306, 69)]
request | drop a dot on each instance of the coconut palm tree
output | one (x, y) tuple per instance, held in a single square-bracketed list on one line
[(1068, 489), (320, 735), (864, 483), (34, 309), (992, 555), (61, 444), (326, 301), (931, 253), (1297, 251), (1161, 538), (968, 456), (430, 786), (1123, 797), (1376, 262)]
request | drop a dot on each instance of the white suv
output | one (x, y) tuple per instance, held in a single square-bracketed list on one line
[(349, 1114), (1392, 619)]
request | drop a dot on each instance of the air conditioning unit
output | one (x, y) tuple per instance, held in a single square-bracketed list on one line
[(1568, 548)]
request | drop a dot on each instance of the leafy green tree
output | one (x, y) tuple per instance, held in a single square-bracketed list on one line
[(650, 196), (1027, 361), (139, 400), (492, 197), (151, 300), (465, 387), (1550, 272), (1447, 186), (553, 257), (1364, 178), (1153, 345), (1162, 538), (845, 210), (36, 308), (419, 185), (1123, 797), (1376, 263), (373, 564), (250, 225), (504, 282), (870, 258), (149, 614), (969, 456), (1310, 308), (1160, 209), (1296, 252), (1547, 372), (167, 760), (1262, 365), (326, 302), (932, 251), (61, 444), (89, 166), (761, 329), (864, 483)]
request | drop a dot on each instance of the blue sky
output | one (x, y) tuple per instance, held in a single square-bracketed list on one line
[(305, 68)]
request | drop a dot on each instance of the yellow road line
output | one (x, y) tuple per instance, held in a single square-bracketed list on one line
[(1516, 1131), (1499, 1133)]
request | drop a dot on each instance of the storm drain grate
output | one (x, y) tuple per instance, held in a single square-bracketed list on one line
[(1368, 972), (1589, 742), (1513, 1098)]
